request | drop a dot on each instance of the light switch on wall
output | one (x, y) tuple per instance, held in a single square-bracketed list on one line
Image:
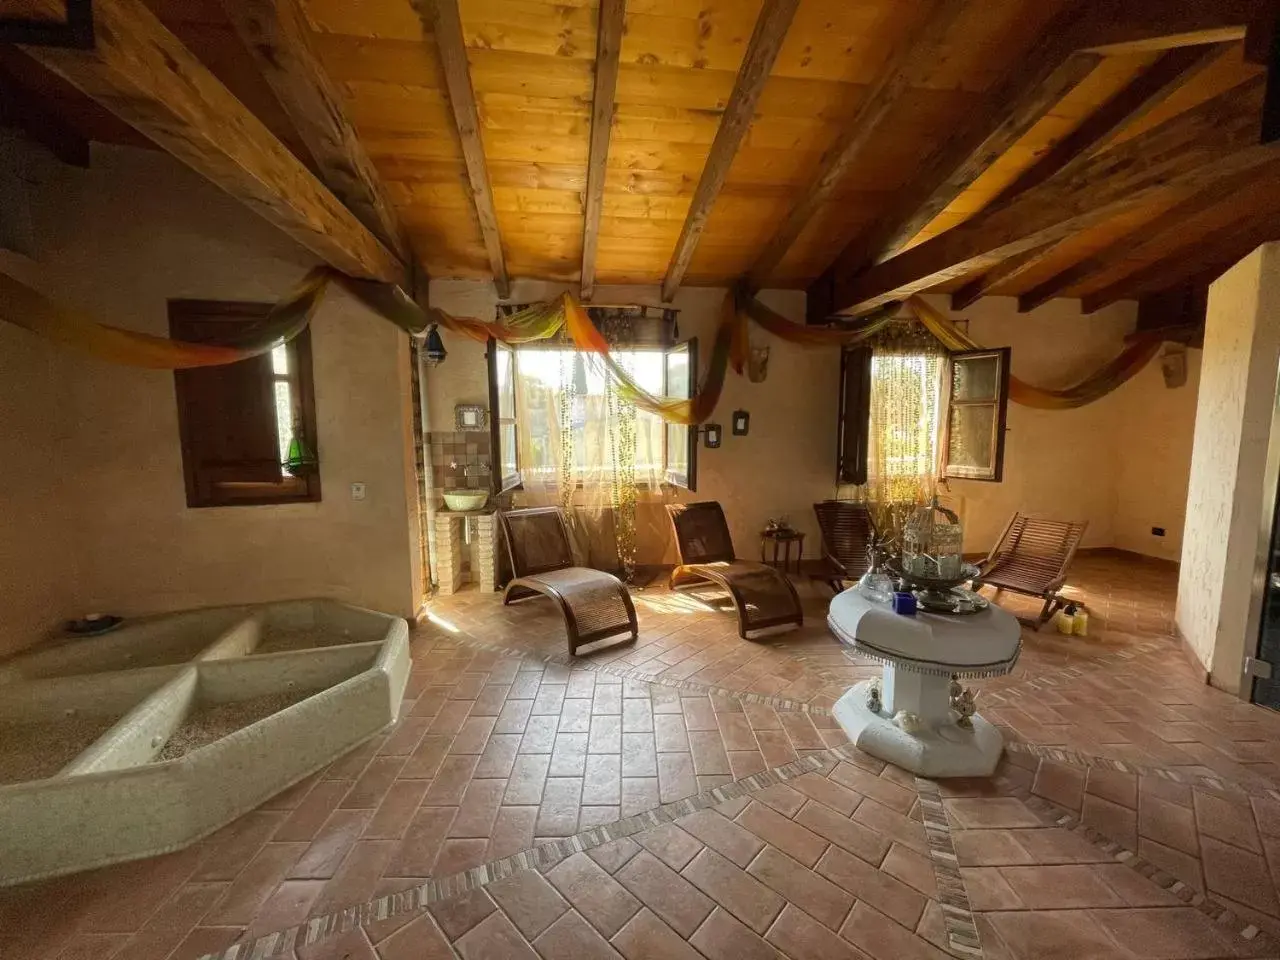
[(357, 491)]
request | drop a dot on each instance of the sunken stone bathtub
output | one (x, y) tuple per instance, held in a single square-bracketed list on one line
[(147, 739)]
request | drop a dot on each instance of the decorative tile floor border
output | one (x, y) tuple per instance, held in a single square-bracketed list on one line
[(1039, 684), (957, 915), (637, 673), (1071, 757), (415, 898), (1053, 815)]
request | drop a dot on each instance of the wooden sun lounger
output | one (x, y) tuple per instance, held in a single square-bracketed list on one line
[(847, 534), (1032, 557), (595, 605), (762, 596)]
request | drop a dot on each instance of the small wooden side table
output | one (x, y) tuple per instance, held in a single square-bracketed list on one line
[(783, 539)]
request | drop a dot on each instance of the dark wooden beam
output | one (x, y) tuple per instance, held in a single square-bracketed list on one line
[(1173, 70), (1032, 89), (608, 48), (1135, 242), (911, 65), (277, 34), (144, 75), (1217, 139), (1143, 26), (441, 18), (39, 120), (1003, 272), (766, 40), (1194, 257), (1271, 103)]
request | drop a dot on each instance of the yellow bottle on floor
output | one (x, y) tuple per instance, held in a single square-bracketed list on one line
[(1067, 621), (1082, 624)]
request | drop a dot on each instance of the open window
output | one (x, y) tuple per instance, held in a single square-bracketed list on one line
[(527, 384), (680, 443), (976, 415), (236, 422), (503, 412), (853, 433)]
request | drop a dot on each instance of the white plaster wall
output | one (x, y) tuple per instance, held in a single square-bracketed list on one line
[(1225, 498), (102, 442)]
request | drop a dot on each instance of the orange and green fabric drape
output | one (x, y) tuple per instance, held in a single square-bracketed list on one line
[(27, 308)]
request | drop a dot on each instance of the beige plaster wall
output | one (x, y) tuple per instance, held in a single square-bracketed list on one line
[(1058, 463), (98, 470), (1152, 436), (1129, 451), (1121, 463), (1233, 422), (785, 463)]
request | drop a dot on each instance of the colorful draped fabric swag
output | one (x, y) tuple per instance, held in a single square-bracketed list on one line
[(31, 310)]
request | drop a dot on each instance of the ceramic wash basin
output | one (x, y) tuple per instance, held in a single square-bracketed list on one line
[(462, 500)]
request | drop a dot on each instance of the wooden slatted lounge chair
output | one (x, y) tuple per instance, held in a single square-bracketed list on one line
[(762, 596), (1032, 557), (595, 604), (847, 534)]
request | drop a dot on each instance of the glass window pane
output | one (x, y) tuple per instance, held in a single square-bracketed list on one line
[(284, 414), (971, 446), (280, 360), (507, 444), (506, 383), (975, 378)]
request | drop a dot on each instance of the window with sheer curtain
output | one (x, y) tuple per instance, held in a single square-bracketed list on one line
[(568, 408)]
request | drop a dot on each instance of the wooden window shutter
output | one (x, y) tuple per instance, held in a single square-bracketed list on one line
[(977, 412), (228, 416), (853, 435)]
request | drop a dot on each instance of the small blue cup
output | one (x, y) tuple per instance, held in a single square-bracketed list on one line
[(904, 603)]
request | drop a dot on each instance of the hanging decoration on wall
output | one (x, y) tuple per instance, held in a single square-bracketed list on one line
[(25, 307)]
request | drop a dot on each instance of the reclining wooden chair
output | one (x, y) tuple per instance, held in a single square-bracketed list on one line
[(595, 604), (1032, 557), (847, 534), (762, 596)]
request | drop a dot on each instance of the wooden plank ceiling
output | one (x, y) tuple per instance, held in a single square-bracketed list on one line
[(477, 119)]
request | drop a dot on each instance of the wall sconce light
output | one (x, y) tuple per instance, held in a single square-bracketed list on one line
[(435, 346), (741, 423), (711, 434)]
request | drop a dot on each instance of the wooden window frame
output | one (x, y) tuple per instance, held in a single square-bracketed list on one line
[(999, 420), (237, 316), (513, 481), (689, 479)]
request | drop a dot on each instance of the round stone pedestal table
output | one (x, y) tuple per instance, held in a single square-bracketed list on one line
[(920, 655)]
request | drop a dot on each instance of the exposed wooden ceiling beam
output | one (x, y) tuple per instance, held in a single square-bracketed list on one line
[(1194, 257), (143, 74), (766, 40), (1215, 140), (1142, 26), (910, 66), (442, 19), (608, 49), (1173, 70), (40, 121), (1003, 272), (1135, 242), (277, 34)]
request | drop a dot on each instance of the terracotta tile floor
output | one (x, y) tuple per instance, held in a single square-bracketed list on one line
[(497, 752)]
